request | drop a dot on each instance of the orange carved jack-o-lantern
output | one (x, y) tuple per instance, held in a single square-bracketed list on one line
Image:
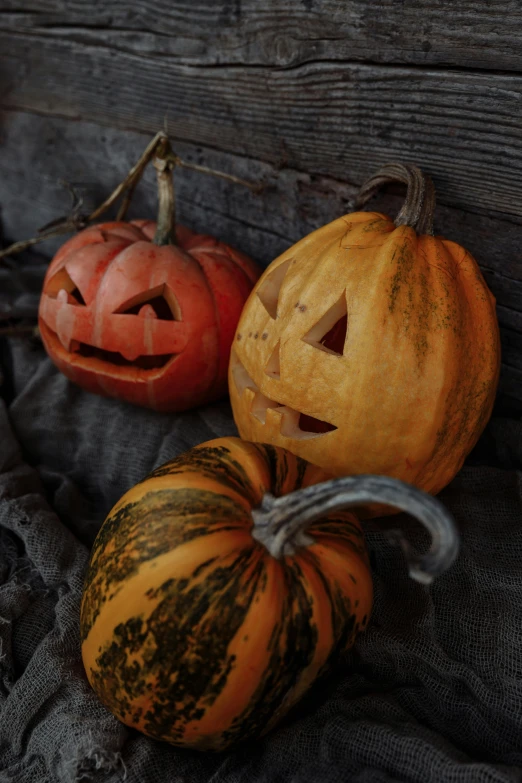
[(146, 312), (150, 324), (370, 347)]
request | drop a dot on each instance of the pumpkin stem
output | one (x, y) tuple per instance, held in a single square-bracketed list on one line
[(280, 523), (419, 205), (165, 162)]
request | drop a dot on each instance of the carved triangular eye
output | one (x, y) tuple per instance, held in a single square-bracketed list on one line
[(329, 333), (273, 366), (76, 295), (62, 281), (159, 303), (268, 291)]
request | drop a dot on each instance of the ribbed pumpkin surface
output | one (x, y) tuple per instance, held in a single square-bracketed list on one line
[(191, 631), (367, 348), (152, 325)]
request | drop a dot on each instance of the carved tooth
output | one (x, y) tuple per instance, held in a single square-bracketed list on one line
[(289, 421), (249, 395), (130, 354), (260, 405), (65, 297), (147, 311), (65, 339), (273, 422)]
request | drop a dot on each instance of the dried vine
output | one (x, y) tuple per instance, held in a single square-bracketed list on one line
[(159, 148)]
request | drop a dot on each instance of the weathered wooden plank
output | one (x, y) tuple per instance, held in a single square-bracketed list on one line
[(333, 120), (293, 204), (38, 151), (476, 34)]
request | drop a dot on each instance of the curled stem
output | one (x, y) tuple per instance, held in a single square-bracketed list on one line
[(281, 523), (419, 205)]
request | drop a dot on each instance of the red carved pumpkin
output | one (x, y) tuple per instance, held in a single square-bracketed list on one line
[(150, 324)]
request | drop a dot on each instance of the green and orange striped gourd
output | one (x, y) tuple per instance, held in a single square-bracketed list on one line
[(221, 586)]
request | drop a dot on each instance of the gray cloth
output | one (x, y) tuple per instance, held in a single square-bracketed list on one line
[(432, 691)]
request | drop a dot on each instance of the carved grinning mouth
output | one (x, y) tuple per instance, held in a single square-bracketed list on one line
[(158, 303), (294, 424), (115, 358), (112, 359), (328, 335)]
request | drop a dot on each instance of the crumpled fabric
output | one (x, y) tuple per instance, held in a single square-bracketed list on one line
[(431, 692)]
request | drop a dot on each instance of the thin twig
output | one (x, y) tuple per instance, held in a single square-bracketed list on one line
[(76, 221), (75, 215), (20, 330), (67, 227), (134, 174), (125, 204), (77, 200), (255, 187)]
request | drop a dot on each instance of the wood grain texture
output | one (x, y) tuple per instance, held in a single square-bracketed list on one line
[(309, 97), (95, 159), (283, 33), (329, 119)]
